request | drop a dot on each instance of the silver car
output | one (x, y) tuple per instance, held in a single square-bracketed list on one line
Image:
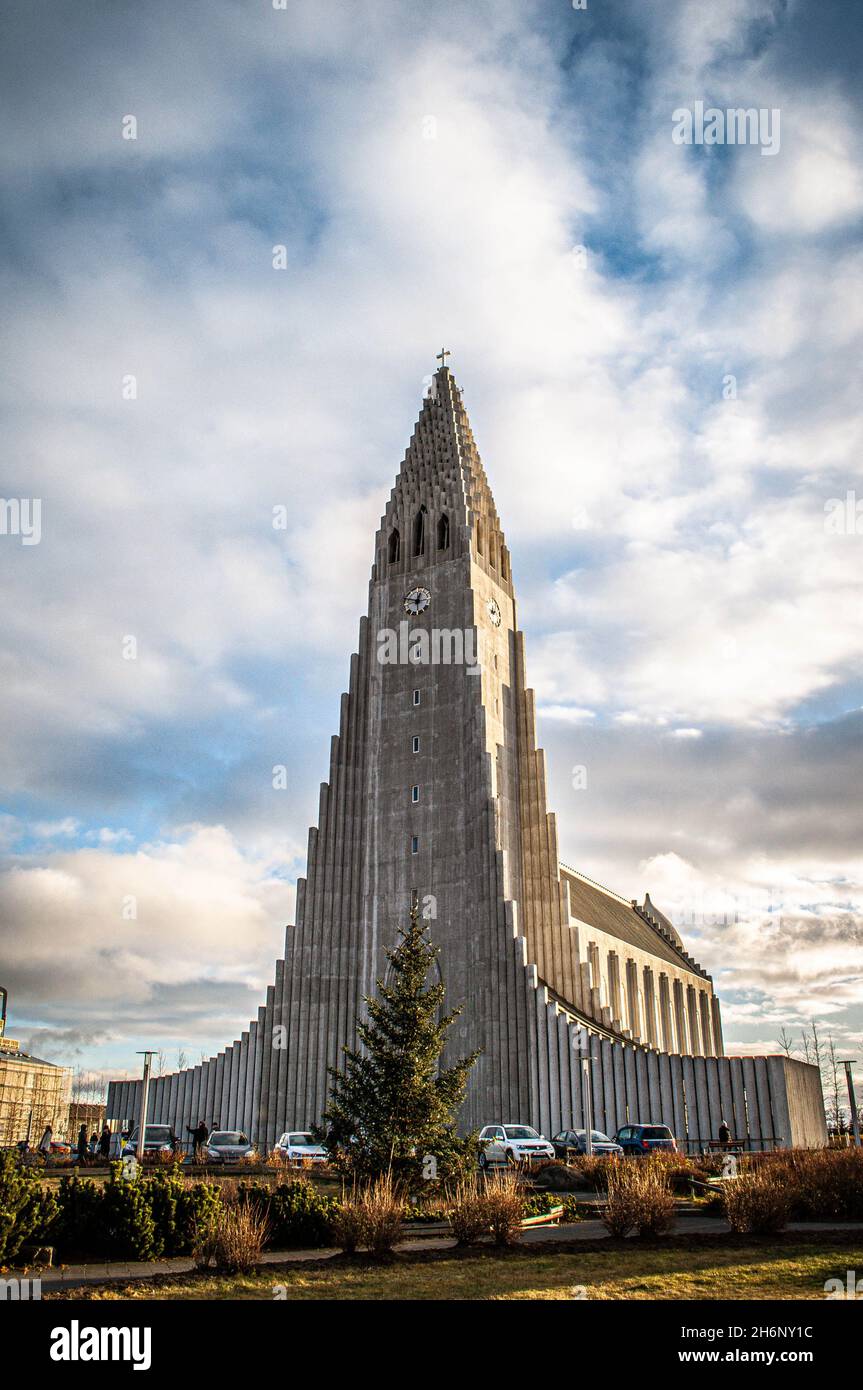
[(227, 1146)]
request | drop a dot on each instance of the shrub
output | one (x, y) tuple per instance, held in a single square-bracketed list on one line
[(235, 1241), (25, 1210), (539, 1203), (756, 1202), (371, 1217), (468, 1215), (504, 1205), (126, 1220), (297, 1213), (822, 1184), (348, 1225), (593, 1170), (639, 1198), (383, 1209), (571, 1209), (77, 1228)]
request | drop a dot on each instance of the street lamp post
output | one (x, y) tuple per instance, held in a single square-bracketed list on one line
[(142, 1117), (852, 1101)]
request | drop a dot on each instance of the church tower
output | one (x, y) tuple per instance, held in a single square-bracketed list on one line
[(436, 794)]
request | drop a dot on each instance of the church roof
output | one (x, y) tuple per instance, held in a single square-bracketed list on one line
[(601, 908)]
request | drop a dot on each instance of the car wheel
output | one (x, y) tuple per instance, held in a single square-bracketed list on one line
[(483, 1162), (510, 1158)]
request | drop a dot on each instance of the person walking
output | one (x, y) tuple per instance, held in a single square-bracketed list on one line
[(200, 1134), (46, 1141), (105, 1142), (82, 1145)]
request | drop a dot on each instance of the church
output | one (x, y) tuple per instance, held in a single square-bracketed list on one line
[(578, 999)]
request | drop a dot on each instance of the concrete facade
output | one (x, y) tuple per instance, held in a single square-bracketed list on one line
[(436, 794)]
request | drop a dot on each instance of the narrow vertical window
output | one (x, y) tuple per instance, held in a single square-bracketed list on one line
[(415, 743), (395, 547), (420, 532), (416, 697), (415, 794), (479, 538), (415, 844), (443, 533)]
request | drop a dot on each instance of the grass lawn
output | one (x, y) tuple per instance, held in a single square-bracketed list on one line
[(783, 1270)]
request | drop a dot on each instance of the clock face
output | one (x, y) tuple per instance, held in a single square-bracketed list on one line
[(494, 612), (417, 601)]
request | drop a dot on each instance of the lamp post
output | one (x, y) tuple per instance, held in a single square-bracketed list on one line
[(852, 1100), (142, 1117)]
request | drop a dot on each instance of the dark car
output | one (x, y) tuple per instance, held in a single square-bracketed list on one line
[(643, 1139), (574, 1141)]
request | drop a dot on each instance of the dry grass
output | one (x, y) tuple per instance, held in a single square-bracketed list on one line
[(757, 1202), (504, 1207), (639, 1198), (821, 1183), (371, 1218), (467, 1214), (234, 1241)]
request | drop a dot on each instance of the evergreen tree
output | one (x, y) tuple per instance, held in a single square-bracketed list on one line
[(392, 1109)]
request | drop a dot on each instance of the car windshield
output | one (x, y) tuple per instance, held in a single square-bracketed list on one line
[(520, 1132), (656, 1132), (160, 1132), (227, 1137), (301, 1141), (596, 1136)]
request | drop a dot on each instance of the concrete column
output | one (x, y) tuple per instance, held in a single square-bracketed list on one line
[(683, 1043), (649, 1007), (692, 1013), (216, 1118), (230, 1059), (632, 1009), (718, 1042), (614, 987), (704, 1009), (665, 1030)]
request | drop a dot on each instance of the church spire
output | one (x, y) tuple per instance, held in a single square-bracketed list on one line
[(441, 506)]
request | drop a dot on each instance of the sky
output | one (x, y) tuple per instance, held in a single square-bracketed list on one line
[(234, 238)]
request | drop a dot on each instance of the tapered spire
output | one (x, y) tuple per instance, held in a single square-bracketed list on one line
[(441, 506)]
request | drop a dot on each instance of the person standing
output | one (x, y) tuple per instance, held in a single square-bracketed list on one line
[(82, 1145), (200, 1134), (46, 1141), (105, 1142)]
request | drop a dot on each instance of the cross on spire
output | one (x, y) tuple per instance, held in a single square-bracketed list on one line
[(443, 355)]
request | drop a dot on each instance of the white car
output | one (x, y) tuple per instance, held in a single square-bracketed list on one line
[(299, 1147), (512, 1144)]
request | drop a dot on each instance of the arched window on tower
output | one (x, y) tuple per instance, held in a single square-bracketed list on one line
[(420, 532), (395, 546), (443, 533)]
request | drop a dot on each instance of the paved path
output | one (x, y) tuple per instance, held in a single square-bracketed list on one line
[(73, 1276)]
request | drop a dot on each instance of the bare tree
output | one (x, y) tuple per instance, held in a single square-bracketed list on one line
[(785, 1042), (836, 1076)]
